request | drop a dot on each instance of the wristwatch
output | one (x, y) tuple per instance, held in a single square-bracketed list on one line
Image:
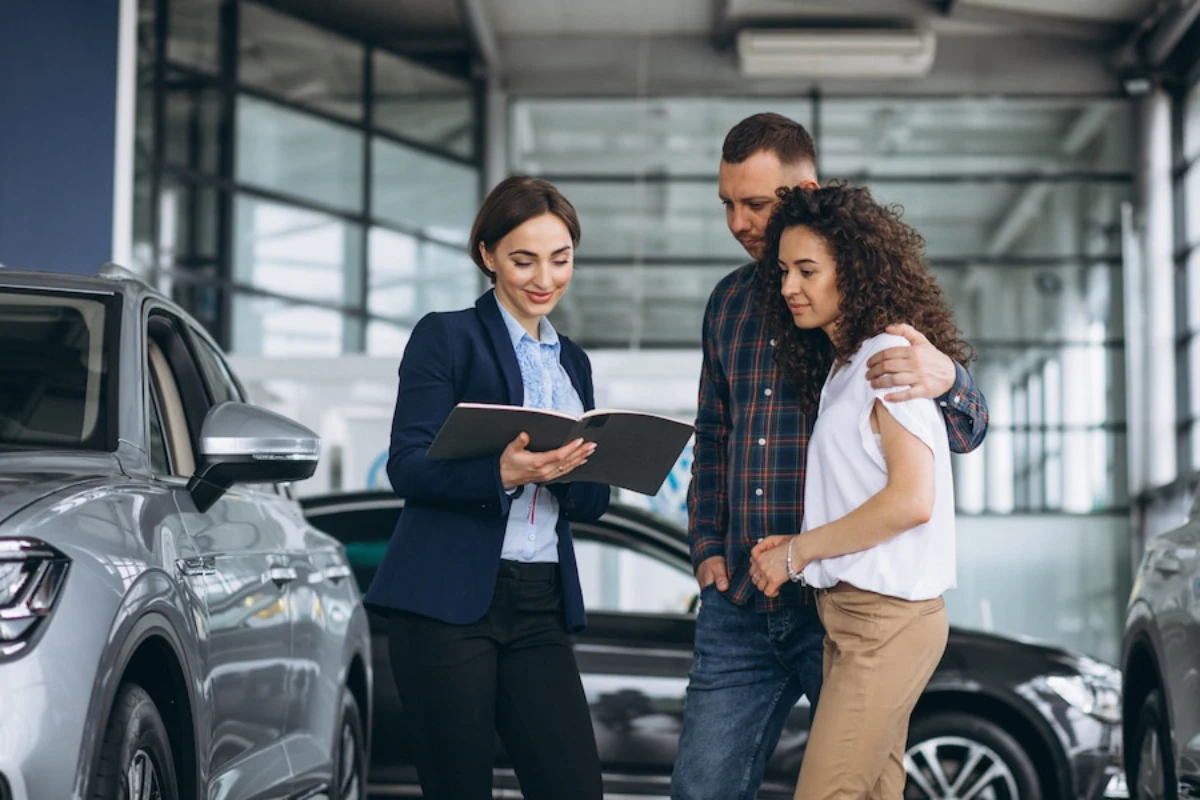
[(793, 576)]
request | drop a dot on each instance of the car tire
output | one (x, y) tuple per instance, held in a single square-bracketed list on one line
[(1152, 737), (350, 759), (135, 756), (940, 744)]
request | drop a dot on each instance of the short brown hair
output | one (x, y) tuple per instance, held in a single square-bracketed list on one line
[(512, 203), (787, 139)]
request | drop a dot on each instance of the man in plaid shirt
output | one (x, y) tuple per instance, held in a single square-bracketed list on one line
[(755, 656)]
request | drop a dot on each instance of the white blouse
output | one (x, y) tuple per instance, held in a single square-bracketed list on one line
[(846, 468)]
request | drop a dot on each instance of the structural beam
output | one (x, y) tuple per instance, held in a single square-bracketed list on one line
[(483, 34), (1170, 31), (1028, 205)]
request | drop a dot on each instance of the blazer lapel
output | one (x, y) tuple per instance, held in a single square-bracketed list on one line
[(489, 312)]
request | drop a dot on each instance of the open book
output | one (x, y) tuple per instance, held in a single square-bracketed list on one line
[(634, 450)]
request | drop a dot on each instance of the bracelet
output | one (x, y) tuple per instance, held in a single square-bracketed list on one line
[(793, 576)]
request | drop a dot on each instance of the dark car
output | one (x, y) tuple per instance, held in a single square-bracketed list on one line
[(1000, 720), (1161, 659)]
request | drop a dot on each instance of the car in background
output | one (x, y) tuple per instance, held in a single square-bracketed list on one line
[(170, 625), (1000, 720), (1161, 667)]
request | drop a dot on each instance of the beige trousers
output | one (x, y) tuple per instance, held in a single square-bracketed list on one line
[(880, 652)]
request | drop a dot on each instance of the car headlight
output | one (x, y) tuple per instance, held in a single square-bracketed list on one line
[(31, 575), (1095, 691)]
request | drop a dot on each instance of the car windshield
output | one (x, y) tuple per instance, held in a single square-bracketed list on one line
[(53, 371)]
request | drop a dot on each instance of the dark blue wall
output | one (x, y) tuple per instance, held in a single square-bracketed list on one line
[(58, 94)]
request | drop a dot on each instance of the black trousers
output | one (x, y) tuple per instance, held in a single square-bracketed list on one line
[(513, 673)]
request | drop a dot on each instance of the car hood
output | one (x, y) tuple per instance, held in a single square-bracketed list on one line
[(1019, 653), (26, 477)]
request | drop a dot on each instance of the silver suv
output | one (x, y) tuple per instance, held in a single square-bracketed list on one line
[(170, 626), (1161, 667)]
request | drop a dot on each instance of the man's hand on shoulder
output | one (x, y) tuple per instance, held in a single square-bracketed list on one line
[(924, 370)]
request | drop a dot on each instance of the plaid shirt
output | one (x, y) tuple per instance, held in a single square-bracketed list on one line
[(752, 442)]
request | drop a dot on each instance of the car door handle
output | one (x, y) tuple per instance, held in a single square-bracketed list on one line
[(1166, 561), (1168, 565), (337, 573), (198, 565), (281, 575)]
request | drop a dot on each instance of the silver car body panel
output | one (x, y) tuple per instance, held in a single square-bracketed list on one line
[(263, 655)]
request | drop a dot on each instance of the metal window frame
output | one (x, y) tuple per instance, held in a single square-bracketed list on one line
[(193, 176)]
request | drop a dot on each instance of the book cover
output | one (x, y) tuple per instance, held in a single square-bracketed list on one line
[(634, 450)]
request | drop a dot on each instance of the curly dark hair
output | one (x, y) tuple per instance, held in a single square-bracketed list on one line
[(882, 278)]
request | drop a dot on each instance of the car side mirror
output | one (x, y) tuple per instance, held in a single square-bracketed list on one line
[(241, 443)]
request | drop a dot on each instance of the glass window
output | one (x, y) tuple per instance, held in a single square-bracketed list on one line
[(1191, 206), (988, 135), (618, 578), (188, 247), (610, 303), (296, 154), (386, 338), (1192, 268), (627, 136), (958, 220), (1086, 366), (299, 62), (422, 193), (1193, 348), (221, 385), (296, 256), (652, 218), (423, 105), (270, 327), (187, 226), (159, 463), (53, 387), (193, 38), (1073, 469), (1195, 431), (1191, 124), (1021, 219), (193, 115), (409, 278)]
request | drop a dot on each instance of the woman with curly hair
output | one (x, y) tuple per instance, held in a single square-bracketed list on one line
[(878, 534)]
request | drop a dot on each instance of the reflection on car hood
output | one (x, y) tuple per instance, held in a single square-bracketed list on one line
[(1018, 653), (27, 477)]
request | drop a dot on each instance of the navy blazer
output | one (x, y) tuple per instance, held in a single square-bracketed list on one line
[(444, 554)]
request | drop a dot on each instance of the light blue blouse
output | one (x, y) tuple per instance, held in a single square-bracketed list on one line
[(532, 518)]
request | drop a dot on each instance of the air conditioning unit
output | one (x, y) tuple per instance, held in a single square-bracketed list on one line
[(834, 54)]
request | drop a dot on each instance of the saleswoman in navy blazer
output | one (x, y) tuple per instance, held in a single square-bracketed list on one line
[(479, 581)]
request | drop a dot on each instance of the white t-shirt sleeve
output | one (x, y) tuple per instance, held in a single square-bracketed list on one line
[(919, 417)]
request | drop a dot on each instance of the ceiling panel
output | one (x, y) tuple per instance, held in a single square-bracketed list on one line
[(1102, 10), (874, 137), (583, 17)]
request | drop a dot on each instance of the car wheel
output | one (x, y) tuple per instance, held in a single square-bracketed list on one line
[(135, 756), (953, 755), (1151, 773), (351, 759)]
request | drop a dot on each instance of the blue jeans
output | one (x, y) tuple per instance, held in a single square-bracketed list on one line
[(750, 669)]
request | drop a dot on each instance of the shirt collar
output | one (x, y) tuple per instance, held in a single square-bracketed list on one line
[(516, 333)]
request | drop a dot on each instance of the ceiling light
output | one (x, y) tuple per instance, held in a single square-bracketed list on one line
[(836, 53)]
